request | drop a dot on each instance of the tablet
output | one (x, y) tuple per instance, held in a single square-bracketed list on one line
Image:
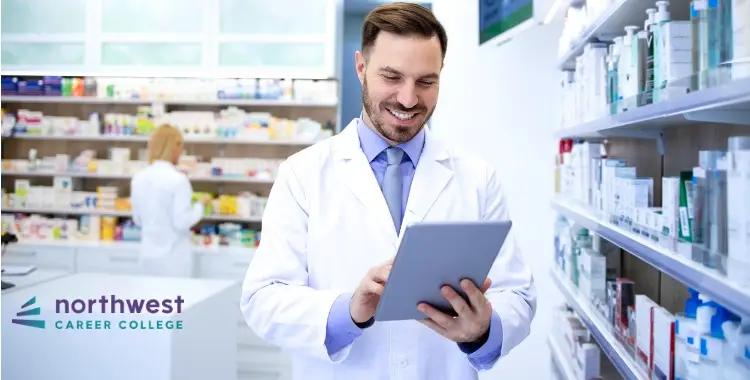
[(433, 254)]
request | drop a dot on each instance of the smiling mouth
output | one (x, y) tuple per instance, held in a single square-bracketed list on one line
[(403, 116)]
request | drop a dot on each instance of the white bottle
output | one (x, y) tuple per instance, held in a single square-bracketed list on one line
[(660, 63), (737, 352)]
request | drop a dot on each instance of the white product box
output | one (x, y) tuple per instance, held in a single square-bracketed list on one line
[(738, 187), (592, 272), (663, 343), (644, 327)]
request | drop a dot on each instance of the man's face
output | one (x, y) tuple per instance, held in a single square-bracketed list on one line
[(400, 82)]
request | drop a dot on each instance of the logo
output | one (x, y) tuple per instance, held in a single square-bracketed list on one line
[(38, 323), (106, 313)]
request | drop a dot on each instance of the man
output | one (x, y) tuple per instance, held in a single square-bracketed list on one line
[(334, 216)]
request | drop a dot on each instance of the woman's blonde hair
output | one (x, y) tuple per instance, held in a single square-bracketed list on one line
[(163, 143)]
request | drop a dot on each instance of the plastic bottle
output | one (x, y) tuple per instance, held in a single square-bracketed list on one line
[(700, 48), (651, 23), (737, 352), (628, 67), (713, 345), (687, 353), (612, 61), (662, 17)]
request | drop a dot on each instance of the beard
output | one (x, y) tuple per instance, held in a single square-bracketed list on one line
[(395, 133)]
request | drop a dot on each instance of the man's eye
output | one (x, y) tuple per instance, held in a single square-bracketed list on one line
[(426, 83), (388, 77)]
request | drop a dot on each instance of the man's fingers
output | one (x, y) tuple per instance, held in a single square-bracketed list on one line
[(380, 274), (374, 288), (443, 320), (486, 285), (476, 296), (457, 302)]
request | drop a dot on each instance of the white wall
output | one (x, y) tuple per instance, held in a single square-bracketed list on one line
[(502, 103)]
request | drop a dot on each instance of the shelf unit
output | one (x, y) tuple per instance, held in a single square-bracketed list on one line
[(728, 103), (669, 260), (680, 126), (600, 330), (16, 145)]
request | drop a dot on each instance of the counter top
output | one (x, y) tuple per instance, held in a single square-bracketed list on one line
[(36, 277)]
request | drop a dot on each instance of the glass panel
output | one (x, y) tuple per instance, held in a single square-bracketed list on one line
[(153, 16), (304, 55), (151, 54), (43, 16), (43, 53), (273, 16)]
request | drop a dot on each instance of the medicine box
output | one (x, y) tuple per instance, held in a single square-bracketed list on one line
[(644, 311), (663, 346)]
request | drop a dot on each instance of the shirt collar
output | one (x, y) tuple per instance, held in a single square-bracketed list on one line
[(372, 144)]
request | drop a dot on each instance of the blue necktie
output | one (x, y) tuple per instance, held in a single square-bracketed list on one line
[(392, 184)]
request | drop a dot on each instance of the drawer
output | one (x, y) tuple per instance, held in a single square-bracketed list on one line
[(222, 265), (111, 260), (55, 258)]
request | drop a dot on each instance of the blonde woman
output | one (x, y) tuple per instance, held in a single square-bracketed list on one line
[(161, 199)]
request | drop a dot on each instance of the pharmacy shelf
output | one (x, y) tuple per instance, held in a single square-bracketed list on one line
[(144, 139), (600, 329), (680, 267), (564, 363), (204, 102), (612, 22), (609, 24), (126, 214), (728, 103), (226, 179)]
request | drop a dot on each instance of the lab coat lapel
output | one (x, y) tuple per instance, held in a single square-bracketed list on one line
[(430, 178), (359, 178)]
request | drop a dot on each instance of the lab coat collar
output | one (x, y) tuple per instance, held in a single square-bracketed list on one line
[(348, 146), (431, 176)]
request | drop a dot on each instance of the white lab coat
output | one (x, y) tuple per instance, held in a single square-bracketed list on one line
[(326, 224), (161, 199)]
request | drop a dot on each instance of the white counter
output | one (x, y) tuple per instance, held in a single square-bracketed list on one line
[(202, 343), (36, 277)]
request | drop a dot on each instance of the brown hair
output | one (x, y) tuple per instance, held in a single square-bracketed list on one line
[(403, 19), (163, 142)]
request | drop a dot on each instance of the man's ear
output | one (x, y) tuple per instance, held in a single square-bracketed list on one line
[(359, 64)]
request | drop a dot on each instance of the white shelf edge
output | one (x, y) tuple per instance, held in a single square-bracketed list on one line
[(125, 214), (681, 268), (124, 177), (664, 113), (198, 102), (144, 139), (599, 329), (564, 60)]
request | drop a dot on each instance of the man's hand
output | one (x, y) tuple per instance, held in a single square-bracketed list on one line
[(366, 297), (473, 318)]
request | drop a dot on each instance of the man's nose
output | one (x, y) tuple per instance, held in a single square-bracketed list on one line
[(407, 96)]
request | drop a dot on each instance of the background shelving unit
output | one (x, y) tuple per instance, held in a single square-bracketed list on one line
[(660, 140)]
